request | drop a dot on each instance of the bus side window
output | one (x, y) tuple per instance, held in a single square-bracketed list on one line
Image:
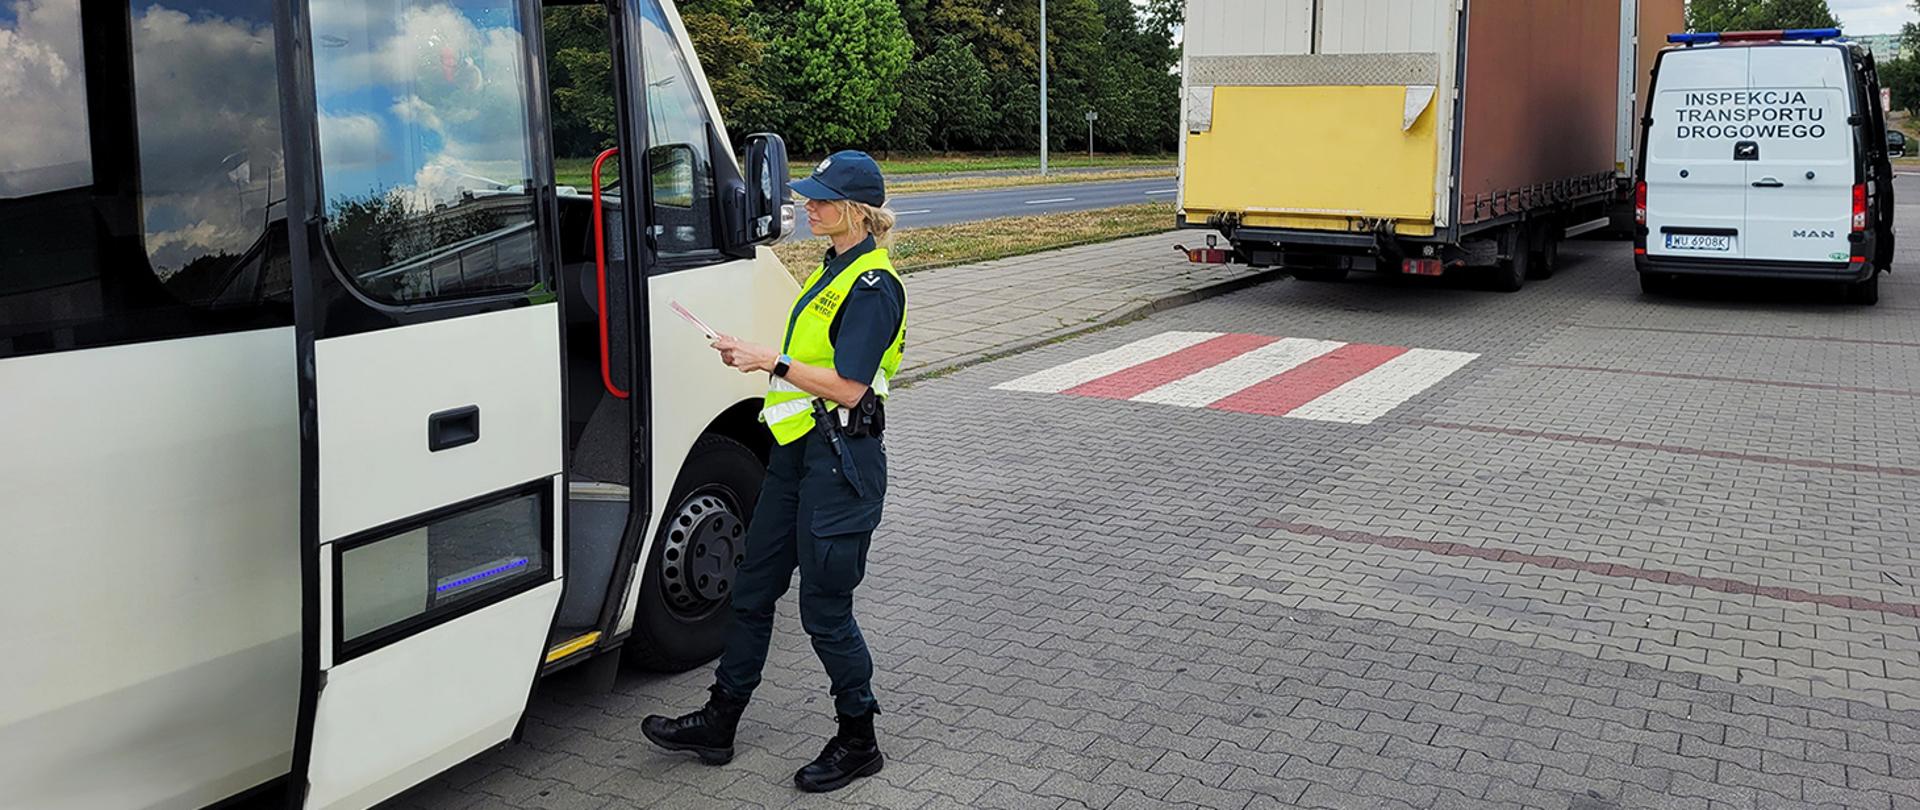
[(425, 149), (679, 161), (151, 209)]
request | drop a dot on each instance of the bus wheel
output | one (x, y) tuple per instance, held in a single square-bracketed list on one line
[(685, 596)]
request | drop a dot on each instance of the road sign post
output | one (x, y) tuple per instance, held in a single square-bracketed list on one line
[(1092, 116)]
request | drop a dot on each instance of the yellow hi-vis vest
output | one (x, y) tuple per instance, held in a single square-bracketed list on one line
[(789, 410)]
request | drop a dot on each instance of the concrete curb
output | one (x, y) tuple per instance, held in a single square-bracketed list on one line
[(1109, 320)]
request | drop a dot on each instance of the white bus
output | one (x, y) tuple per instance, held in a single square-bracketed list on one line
[(329, 423)]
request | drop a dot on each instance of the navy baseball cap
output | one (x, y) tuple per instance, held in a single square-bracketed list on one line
[(849, 175)]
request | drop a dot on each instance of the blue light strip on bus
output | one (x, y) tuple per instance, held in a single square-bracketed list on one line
[(520, 562)]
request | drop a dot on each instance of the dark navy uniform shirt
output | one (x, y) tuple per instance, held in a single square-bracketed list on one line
[(867, 320)]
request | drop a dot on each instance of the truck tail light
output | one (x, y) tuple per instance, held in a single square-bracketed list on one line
[(1206, 255), (1422, 267), (1640, 203), (1859, 207)]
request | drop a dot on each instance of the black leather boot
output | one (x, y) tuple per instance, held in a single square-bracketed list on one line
[(851, 754), (707, 732)]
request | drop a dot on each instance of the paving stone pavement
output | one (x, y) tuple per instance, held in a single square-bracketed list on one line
[(1641, 553), (961, 315)]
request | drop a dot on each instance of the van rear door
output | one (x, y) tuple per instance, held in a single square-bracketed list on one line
[(1696, 184), (1800, 198)]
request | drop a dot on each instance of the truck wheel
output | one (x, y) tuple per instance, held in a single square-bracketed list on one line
[(1865, 293), (685, 596), (1546, 258), (1511, 274)]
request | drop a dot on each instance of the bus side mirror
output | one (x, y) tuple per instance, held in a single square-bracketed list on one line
[(769, 203)]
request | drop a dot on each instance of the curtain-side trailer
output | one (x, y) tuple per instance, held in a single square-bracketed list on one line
[(1415, 136)]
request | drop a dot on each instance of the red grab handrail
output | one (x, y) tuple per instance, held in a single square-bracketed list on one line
[(600, 270)]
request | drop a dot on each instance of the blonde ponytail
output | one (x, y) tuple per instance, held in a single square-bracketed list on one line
[(880, 221)]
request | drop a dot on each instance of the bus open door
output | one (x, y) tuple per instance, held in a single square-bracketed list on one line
[(429, 371)]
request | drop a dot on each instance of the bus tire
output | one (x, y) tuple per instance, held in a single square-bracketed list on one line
[(681, 620)]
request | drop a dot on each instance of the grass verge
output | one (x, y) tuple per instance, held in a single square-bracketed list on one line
[(1009, 181), (948, 164), (576, 171), (943, 245)]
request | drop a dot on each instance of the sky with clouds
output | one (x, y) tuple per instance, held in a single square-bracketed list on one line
[(1872, 16)]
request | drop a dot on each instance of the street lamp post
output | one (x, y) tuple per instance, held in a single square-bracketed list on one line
[(1092, 116), (1043, 87)]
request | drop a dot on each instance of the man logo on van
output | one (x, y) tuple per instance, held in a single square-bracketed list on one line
[(1800, 234)]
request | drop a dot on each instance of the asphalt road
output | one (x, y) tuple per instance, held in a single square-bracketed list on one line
[(951, 207)]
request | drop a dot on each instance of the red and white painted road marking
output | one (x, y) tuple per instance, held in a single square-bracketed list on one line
[(1319, 380)]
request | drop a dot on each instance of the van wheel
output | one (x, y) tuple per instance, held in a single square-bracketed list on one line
[(686, 594), (1656, 283), (1865, 293)]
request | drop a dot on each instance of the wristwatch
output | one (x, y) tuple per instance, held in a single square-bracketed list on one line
[(782, 365)]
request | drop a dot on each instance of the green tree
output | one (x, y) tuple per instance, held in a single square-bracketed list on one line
[(1075, 55), (1002, 32), (1017, 97), (912, 128), (1902, 78), (1137, 97), (1910, 32), (1758, 15), (837, 69), (1163, 16), (945, 96), (733, 57), (580, 71)]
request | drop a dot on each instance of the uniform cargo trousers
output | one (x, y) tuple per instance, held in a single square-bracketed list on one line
[(816, 514)]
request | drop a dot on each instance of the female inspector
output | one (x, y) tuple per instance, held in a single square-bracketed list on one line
[(826, 477)]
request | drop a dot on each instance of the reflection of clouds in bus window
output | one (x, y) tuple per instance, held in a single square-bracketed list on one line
[(442, 85), (209, 129), (41, 72), (359, 141)]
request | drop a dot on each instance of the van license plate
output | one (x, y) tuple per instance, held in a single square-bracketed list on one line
[(1689, 241)]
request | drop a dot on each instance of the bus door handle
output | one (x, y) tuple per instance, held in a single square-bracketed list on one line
[(1768, 182), (600, 275), (453, 428)]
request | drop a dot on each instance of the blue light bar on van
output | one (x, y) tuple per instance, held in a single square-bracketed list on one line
[(1789, 35)]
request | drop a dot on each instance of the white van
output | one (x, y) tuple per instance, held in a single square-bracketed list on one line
[(1766, 158)]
